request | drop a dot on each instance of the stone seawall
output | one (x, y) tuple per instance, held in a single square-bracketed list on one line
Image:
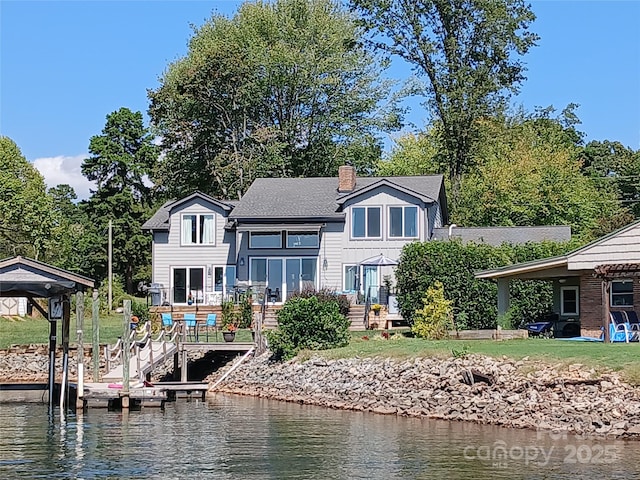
[(525, 394)]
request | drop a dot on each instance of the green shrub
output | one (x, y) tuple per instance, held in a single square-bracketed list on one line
[(433, 321), (308, 323), (326, 295), (140, 309)]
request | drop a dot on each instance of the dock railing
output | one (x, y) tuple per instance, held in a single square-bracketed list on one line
[(138, 347)]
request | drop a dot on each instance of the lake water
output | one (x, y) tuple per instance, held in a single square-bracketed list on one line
[(234, 437)]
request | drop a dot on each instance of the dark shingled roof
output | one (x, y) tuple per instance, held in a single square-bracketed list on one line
[(499, 235), (318, 197)]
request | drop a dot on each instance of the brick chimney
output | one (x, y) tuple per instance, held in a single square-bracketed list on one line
[(346, 178)]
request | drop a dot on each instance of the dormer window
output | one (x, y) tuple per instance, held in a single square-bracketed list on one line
[(198, 229)]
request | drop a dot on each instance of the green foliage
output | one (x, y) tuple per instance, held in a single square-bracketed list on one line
[(454, 264), (433, 320), (245, 313), (469, 52), (325, 295), (141, 310), (463, 352), (26, 218), (527, 170), (118, 294), (527, 174), (615, 170), (228, 316), (281, 89), (308, 323), (121, 157)]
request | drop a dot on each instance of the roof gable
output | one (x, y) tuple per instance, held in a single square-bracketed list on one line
[(385, 181), (20, 276), (160, 219), (314, 198)]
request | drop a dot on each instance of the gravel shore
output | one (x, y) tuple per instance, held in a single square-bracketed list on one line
[(571, 399)]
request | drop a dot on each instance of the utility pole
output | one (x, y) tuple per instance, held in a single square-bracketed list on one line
[(110, 254)]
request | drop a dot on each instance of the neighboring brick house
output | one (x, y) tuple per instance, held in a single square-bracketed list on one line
[(588, 282)]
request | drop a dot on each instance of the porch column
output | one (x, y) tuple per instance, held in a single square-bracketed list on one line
[(606, 287), (503, 295)]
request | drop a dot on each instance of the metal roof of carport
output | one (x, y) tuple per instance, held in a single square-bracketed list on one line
[(25, 277)]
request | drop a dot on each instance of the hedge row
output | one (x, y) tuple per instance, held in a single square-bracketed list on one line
[(475, 301)]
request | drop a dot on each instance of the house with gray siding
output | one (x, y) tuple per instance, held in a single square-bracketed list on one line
[(288, 234)]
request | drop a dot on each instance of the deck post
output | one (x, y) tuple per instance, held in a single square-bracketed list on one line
[(95, 348), (80, 352), (126, 322), (52, 360), (66, 324), (606, 286)]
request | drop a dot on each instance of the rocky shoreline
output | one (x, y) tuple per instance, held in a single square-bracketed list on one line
[(529, 394), (525, 393)]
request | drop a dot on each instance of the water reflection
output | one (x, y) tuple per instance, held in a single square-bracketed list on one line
[(236, 438)]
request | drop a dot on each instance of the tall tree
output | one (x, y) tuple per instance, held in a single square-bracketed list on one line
[(467, 50), (122, 157), (615, 168), (25, 209), (528, 174), (282, 89), (526, 171)]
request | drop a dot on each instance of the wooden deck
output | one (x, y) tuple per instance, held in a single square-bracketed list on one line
[(104, 395)]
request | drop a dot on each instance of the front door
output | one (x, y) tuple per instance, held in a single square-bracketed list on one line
[(370, 274)]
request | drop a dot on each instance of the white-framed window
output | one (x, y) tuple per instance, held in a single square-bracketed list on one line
[(403, 222), (265, 239), (622, 293), (569, 300), (351, 278), (366, 222), (198, 229), (303, 240)]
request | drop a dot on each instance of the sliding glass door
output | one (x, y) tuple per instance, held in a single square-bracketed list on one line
[(284, 276)]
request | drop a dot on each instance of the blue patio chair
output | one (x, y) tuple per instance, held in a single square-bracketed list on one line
[(211, 323), (167, 320), (633, 320), (191, 324), (619, 329)]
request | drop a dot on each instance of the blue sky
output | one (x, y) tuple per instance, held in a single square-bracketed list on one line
[(65, 65)]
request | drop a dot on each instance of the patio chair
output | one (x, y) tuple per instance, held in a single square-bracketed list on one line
[(633, 320), (191, 325), (167, 320), (619, 330), (211, 323)]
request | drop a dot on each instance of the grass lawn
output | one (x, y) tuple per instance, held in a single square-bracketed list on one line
[(621, 357), (25, 331)]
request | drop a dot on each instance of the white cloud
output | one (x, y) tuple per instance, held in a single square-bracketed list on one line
[(65, 169)]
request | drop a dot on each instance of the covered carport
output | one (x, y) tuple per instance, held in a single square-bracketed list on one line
[(584, 279), (25, 277)]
